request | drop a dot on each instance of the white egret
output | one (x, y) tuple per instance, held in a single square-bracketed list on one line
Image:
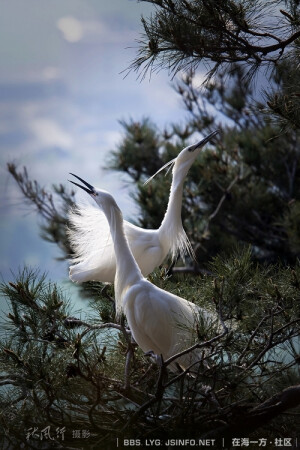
[(92, 244), (160, 322)]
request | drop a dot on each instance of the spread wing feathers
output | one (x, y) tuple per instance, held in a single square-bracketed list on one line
[(94, 255), (90, 238)]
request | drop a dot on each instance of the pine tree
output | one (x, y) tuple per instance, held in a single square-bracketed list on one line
[(64, 378), (244, 189), (181, 35)]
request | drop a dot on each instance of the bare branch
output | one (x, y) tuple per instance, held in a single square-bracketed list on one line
[(260, 415)]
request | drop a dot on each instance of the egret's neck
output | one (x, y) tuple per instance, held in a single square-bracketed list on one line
[(173, 213), (171, 233), (172, 219), (127, 270)]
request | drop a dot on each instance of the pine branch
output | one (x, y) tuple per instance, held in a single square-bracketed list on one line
[(260, 415), (183, 34), (54, 217)]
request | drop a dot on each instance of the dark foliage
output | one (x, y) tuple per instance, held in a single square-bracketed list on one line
[(67, 375)]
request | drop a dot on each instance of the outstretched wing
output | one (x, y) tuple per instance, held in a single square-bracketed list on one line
[(90, 238), (91, 241)]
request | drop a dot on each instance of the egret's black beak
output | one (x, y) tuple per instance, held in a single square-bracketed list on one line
[(90, 190), (203, 141)]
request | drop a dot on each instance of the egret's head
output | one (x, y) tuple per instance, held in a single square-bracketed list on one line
[(103, 198), (188, 155), (185, 159)]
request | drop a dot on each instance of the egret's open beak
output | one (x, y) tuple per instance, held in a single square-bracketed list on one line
[(203, 141), (90, 190)]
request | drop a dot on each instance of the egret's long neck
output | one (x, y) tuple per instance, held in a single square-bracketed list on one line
[(171, 233), (127, 270), (172, 220), (173, 213)]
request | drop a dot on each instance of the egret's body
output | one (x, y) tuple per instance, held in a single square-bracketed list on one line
[(160, 322), (92, 242)]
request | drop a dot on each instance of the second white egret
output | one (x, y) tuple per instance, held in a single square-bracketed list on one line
[(94, 257)]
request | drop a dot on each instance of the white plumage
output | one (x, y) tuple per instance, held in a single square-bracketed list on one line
[(160, 322), (94, 257)]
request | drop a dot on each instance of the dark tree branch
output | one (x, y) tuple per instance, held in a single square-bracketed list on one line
[(260, 415), (183, 34)]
